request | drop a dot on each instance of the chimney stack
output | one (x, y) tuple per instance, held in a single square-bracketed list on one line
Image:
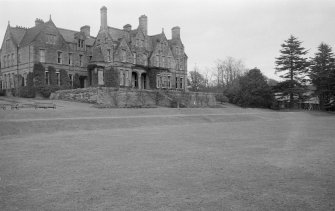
[(38, 21), (127, 27), (176, 32), (143, 22), (86, 30), (103, 14)]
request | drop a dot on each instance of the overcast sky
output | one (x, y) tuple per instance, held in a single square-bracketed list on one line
[(251, 30)]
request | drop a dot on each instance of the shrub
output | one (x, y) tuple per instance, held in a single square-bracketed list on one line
[(46, 91), (220, 97), (158, 96), (39, 75)]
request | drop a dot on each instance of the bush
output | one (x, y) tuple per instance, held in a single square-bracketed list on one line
[(46, 91), (27, 92), (39, 75), (220, 97)]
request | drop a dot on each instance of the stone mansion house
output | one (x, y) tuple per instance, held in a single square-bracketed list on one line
[(141, 61)]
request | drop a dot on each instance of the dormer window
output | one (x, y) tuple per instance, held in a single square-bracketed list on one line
[(80, 43), (51, 39)]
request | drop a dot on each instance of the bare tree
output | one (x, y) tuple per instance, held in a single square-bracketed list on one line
[(226, 71)]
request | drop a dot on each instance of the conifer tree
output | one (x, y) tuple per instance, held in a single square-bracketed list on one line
[(292, 65), (322, 73)]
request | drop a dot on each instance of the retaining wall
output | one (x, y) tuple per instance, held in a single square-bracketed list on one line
[(133, 97)]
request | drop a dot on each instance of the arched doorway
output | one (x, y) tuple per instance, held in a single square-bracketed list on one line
[(134, 80)]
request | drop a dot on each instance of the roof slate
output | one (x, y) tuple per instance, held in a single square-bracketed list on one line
[(17, 33), (69, 36), (97, 55), (115, 33)]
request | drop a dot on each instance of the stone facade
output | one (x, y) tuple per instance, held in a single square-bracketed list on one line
[(141, 61)]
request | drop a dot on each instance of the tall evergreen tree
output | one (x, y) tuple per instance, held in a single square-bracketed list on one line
[(322, 73), (292, 65)]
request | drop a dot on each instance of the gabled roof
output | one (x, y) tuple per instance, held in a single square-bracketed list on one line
[(154, 39), (17, 34), (119, 43), (69, 36), (97, 55), (25, 36), (115, 33), (32, 33)]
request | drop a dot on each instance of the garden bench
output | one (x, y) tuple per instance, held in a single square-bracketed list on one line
[(45, 105), (14, 106), (26, 105), (5, 105)]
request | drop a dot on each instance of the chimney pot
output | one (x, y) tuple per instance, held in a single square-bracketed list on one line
[(143, 23), (38, 21), (127, 27), (86, 30), (176, 32), (103, 16)]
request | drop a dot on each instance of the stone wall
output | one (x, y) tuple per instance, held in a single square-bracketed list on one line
[(133, 97)]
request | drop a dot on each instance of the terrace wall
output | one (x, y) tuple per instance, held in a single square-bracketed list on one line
[(133, 97)]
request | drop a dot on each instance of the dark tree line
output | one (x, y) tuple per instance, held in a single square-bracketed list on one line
[(299, 71), (234, 84), (252, 89), (322, 74)]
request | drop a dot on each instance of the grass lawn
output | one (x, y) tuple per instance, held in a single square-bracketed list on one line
[(82, 158)]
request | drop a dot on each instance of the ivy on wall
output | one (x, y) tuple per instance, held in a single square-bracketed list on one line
[(152, 75), (52, 75), (76, 81), (64, 79), (111, 77), (28, 91), (90, 69)]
